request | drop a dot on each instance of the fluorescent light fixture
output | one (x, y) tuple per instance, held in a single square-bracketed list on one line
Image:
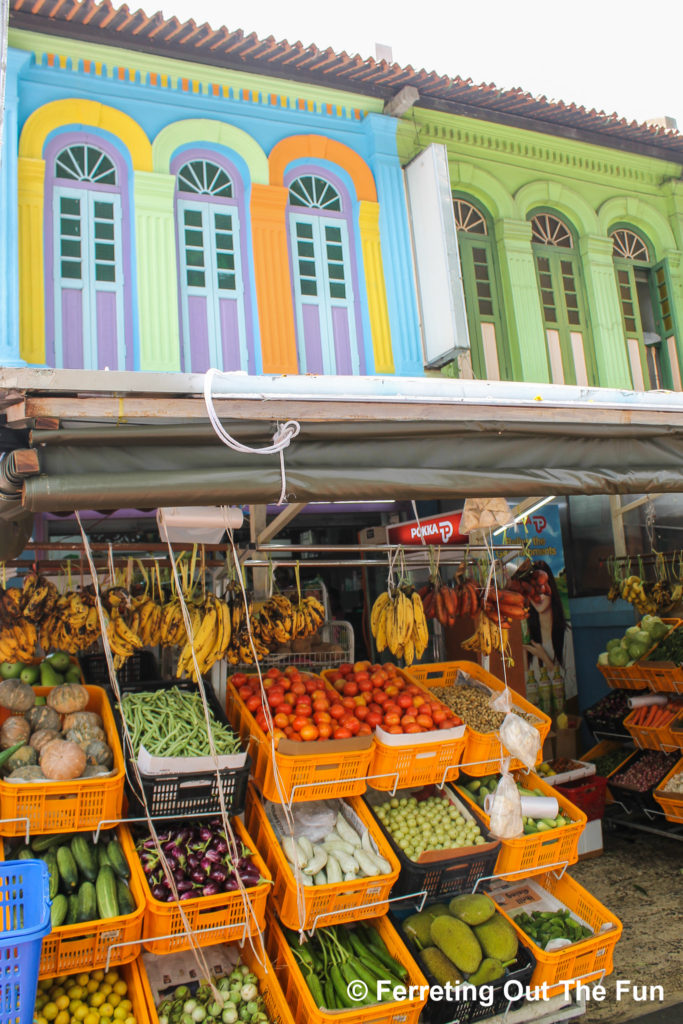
[(525, 514), (197, 524)]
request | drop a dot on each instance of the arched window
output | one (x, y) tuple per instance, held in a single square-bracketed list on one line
[(646, 310), (558, 271), (212, 301), (482, 292), (87, 305), (321, 238)]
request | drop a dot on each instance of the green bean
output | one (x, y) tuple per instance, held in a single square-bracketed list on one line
[(171, 722)]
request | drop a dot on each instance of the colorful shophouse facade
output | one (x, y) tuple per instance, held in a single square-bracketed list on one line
[(174, 197)]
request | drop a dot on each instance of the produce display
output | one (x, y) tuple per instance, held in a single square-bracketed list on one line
[(382, 697), (479, 789), (90, 998), (543, 926), (608, 714), (53, 670), (646, 597), (605, 764), (557, 767), (435, 823), (335, 957), (279, 621), (669, 649), (675, 784), (398, 621), (473, 705), (654, 716), (202, 858), (54, 741), (240, 1001), (445, 603), (466, 940), (88, 881), (645, 771), (171, 723), (343, 855), (635, 643)]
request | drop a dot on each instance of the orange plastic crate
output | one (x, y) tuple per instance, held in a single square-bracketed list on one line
[(224, 914), (85, 947), (481, 755), (623, 677), (269, 987), (529, 855), (323, 904), (588, 960), (135, 977), (314, 776), (300, 1000), (671, 803), (653, 739), (76, 806), (663, 677)]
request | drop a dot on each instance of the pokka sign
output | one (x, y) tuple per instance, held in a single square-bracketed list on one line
[(442, 529)]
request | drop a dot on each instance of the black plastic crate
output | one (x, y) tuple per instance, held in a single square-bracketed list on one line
[(141, 666), (636, 801), (447, 876), (192, 792), (468, 1010), (609, 726)]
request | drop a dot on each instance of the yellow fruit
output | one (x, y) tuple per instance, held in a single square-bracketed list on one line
[(106, 1010), (114, 999), (92, 986), (82, 979), (120, 1013), (40, 1020), (126, 1004), (62, 1002), (91, 1018), (120, 988), (97, 998), (73, 1005), (50, 1011), (62, 1017), (97, 975), (129, 1020), (57, 991), (75, 992), (111, 977), (82, 1011), (105, 989)]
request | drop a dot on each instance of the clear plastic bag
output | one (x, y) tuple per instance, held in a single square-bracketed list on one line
[(519, 737), (506, 809)]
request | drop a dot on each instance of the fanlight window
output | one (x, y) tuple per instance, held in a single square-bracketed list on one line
[(629, 246), (549, 230), (468, 218), (204, 178), (314, 193), (85, 163)]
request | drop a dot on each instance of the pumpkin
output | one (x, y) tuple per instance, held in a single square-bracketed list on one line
[(42, 737), (83, 736), (21, 758), (62, 760), (16, 696), (15, 730), (67, 698), (81, 719), (43, 717), (99, 753), (29, 773)]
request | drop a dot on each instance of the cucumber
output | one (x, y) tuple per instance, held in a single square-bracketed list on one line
[(101, 851), (25, 854), (87, 903), (72, 913), (105, 888), (68, 872), (117, 860), (50, 858), (84, 855), (59, 910), (41, 843), (125, 898)]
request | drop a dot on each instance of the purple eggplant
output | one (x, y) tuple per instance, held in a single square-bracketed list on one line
[(212, 857), (193, 861), (231, 884), (187, 895), (205, 834), (220, 846), (218, 874), (185, 885), (160, 892), (212, 889), (198, 876)]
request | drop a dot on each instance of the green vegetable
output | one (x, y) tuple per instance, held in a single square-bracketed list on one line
[(87, 903), (105, 887), (59, 910), (117, 860), (171, 723), (68, 871), (544, 926), (84, 856), (125, 898)]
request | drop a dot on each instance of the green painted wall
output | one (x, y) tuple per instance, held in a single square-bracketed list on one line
[(510, 173)]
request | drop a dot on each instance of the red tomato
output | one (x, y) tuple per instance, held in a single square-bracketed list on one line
[(254, 703), (414, 689), (321, 716), (361, 677), (408, 720), (311, 686), (273, 673), (418, 701), (404, 700), (373, 719), (319, 694), (413, 728), (289, 732), (348, 703), (275, 696), (448, 724), (245, 691), (391, 689), (364, 729), (362, 712), (392, 718), (309, 733), (377, 678), (299, 722), (390, 669), (298, 688), (439, 717), (375, 708), (281, 720), (295, 737), (292, 671), (342, 734), (425, 721), (332, 675), (238, 679), (395, 730), (352, 724), (350, 689), (289, 698), (345, 668), (325, 730), (379, 697), (321, 704), (391, 707), (337, 711), (361, 666), (365, 686)]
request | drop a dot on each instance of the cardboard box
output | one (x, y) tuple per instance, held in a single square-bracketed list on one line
[(567, 740)]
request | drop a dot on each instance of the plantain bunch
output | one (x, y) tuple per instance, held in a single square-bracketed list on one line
[(398, 622), (488, 637), (73, 624), (211, 635)]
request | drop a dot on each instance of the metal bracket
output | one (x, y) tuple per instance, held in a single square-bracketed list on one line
[(419, 897)]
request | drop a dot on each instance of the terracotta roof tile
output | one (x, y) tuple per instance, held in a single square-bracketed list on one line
[(233, 49)]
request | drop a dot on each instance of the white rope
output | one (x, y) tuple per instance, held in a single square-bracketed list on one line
[(283, 436)]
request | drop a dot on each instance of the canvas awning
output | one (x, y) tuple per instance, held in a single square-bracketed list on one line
[(136, 440)]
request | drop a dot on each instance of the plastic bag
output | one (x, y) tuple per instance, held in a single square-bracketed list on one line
[(519, 737), (506, 810)]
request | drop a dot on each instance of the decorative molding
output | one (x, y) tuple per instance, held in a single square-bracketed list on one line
[(368, 223), (560, 199), (62, 113), (201, 130), (639, 214), (318, 147)]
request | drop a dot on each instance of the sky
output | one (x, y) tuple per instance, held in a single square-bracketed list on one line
[(614, 56)]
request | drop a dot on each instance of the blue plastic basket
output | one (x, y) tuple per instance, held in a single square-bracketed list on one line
[(25, 921)]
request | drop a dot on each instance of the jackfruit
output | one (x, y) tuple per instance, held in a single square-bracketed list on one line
[(472, 908), (489, 969), (417, 926), (498, 938), (440, 967), (457, 941)]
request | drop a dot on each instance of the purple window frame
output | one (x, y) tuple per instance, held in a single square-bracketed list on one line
[(238, 201), (59, 142), (347, 205)]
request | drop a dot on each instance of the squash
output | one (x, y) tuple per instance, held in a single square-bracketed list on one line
[(62, 760), (68, 697), (16, 696), (43, 717), (15, 730), (81, 719), (29, 773), (42, 737), (23, 757), (83, 736), (99, 753)]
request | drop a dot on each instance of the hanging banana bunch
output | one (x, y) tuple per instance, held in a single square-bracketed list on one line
[(489, 637), (398, 622)]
